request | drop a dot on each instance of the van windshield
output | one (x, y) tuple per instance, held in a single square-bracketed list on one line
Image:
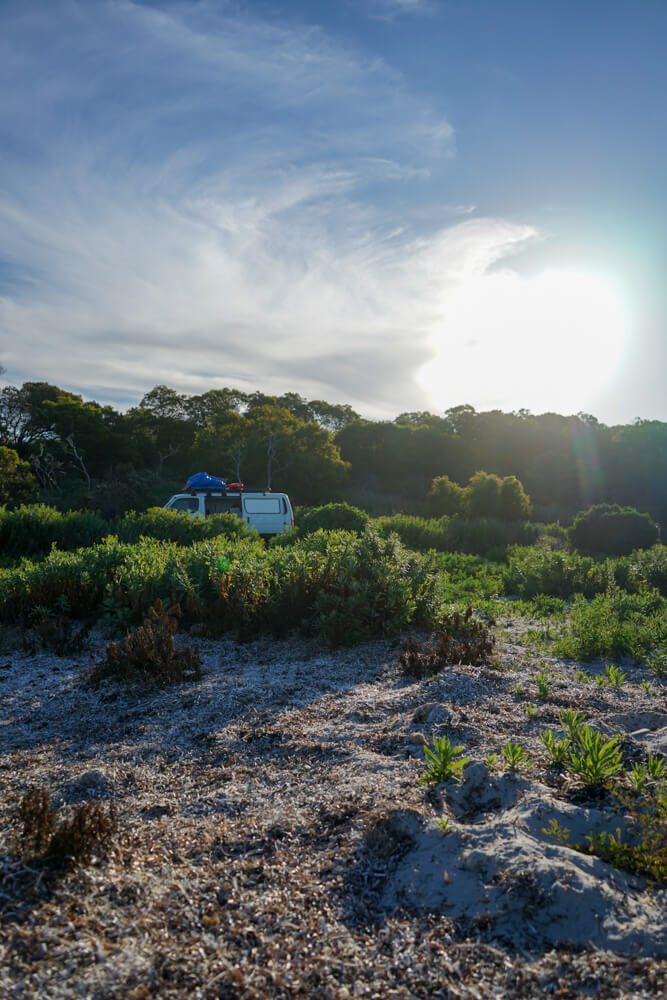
[(188, 504)]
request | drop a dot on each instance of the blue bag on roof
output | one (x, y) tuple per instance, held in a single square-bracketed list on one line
[(202, 481)]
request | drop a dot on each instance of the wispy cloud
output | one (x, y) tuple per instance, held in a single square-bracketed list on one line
[(393, 9), (195, 196)]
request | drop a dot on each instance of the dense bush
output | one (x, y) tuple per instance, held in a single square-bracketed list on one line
[(340, 585), (487, 495), (332, 517), (608, 529), (418, 533), (533, 570), (445, 498), (483, 537), (175, 526), (31, 530), (614, 624)]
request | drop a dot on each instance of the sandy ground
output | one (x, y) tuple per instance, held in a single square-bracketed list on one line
[(275, 841)]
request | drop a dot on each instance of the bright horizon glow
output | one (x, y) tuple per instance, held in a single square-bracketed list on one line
[(554, 340)]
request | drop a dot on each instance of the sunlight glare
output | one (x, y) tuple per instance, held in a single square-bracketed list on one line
[(550, 342)]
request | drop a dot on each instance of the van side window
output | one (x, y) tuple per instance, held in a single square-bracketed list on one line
[(262, 505), (223, 505)]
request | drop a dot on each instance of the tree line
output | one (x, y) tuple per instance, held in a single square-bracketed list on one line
[(58, 447)]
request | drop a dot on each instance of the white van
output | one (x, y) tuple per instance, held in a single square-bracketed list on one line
[(268, 513)]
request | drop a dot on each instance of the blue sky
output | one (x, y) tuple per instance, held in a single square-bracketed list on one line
[(400, 204)]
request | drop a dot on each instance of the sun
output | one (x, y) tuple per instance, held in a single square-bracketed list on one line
[(549, 342)]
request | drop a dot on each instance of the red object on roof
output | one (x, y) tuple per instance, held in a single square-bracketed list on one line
[(234, 486)]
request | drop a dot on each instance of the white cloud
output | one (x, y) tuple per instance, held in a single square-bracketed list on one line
[(194, 196)]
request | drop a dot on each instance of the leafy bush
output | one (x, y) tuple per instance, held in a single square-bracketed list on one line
[(608, 529), (614, 624), (333, 517), (463, 639), (149, 655), (372, 587), (515, 756), (483, 537), (533, 570), (179, 527), (81, 578), (487, 495), (31, 530), (445, 497), (489, 536)]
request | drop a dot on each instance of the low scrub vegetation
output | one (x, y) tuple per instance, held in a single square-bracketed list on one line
[(71, 835), (149, 655), (463, 638), (340, 585)]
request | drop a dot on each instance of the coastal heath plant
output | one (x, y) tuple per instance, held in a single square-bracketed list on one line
[(515, 756), (594, 759), (443, 761)]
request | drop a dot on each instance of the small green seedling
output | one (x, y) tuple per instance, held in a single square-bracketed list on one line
[(584, 677), (518, 690), (637, 778), (647, 687), (490, 760), (445, 826), (572, 720), (515, 756), (613, 676), (594, 759), (544, 685), (656, 767), (443, 762), (531, 711), (558, 750), (558, 832)]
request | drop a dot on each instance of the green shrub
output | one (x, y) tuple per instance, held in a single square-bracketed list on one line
[(608, 529), (418, 533), (614, 624), (333, 517), (487, 495), (483, 537), (445, 497), (592, 758), (177, 526), (533, 571), (374, 587), (31, 530)]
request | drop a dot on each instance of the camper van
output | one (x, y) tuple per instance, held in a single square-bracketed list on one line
[(268, 513)]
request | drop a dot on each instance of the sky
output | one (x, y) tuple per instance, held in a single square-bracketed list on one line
[(397, 204)]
